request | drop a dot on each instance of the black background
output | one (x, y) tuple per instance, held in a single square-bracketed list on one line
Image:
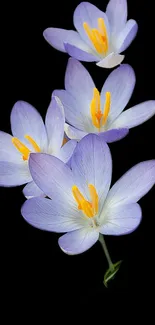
[(32, 70)]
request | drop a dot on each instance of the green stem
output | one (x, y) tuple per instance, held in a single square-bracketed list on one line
[(103, 244)]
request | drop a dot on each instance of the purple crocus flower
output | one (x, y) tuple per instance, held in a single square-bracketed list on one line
[(31, 135), (100, 37), (88, 111), (82, 204)]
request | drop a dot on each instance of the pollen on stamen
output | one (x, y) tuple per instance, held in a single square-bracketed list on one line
[(95, 109), (90, 209), (21, 148), (33, 143), (98, 37), (103, 32)]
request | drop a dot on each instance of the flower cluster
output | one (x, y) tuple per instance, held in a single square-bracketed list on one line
[(66, 163)]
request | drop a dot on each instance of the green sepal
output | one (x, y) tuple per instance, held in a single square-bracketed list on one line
[(110, 273)]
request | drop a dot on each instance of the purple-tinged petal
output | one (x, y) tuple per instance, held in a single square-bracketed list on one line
[(78, 241), (53, 177), (111, 61), (91, 163), (73, 133), (57, 37), (79, 84), (32, 190), (133, 185), (8, 152), (114, 135), (126, 36), (13, 174), (87, 12), (73, 112), (135, 115), (117, 15), (54, 121), (25, 120), (108, 136), (120, 83), (46, 214), (67, 150), (121, 220), (80, 54)]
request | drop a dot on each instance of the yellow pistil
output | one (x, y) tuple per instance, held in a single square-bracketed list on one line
[(98, 37), (23, 149), (99, 118), (90, 209)]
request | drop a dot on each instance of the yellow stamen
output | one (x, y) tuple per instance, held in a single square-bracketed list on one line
[(90, 209), (98, 37), (99, 118), (34, 144), (64, 141), (100, 40), (106, 106), (94, 198), (95, 110), (77, 196), (21, 147), (103, 32), (91, 36)]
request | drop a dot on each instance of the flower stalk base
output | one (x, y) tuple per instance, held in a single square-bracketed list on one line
[(113, 268)]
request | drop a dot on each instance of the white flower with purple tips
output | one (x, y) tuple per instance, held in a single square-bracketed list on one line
[(83, 205), (100, 37), (31, 135), (88, 111)]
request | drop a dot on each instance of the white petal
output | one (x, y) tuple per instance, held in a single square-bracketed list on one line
[(133, 185), (135, 115), (73, 112), (66, 151), (79, 84), (111, 61), (13, 174), (8, 152), (53, 177), (78, 241), (126, 36), (32, 190), (73, 133), (54, 121), (91, 163), (46, 214), (58, 36), (25, 120), (120, 83), (121, 220), (117, 15)]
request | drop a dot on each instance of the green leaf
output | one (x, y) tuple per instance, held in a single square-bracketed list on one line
[(110, 273)]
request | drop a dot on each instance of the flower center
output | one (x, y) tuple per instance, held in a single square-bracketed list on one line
[(90, 209), (23, 149), (64, 141), (99, 118), (98, 37)]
